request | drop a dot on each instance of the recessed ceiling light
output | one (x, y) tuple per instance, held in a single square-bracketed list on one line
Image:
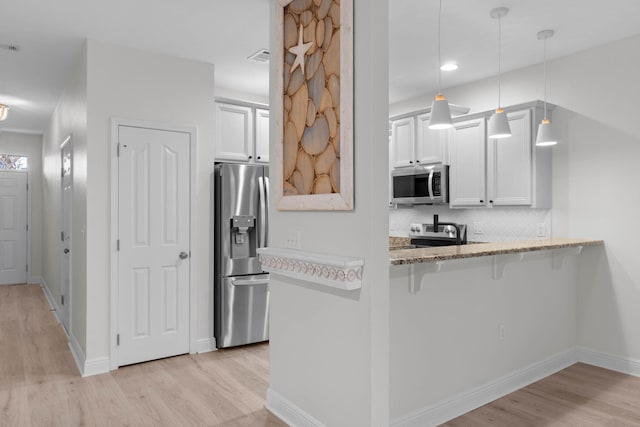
[(449, 66)]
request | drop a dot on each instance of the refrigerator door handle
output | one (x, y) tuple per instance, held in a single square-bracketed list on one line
[(261, 196), (249, 282), (266, 211)]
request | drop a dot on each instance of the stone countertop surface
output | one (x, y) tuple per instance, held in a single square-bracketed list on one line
[(396, 242), (413, 256)]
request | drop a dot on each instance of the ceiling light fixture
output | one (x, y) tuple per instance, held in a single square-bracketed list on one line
[(4, 111), (498, 123), (440, 113), (449, 66), (546, 135)]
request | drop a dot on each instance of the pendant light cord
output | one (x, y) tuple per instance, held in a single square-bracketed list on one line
[(499, 55), (545, 78), (439, 49)]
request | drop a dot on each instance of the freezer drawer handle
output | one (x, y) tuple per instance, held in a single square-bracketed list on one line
[(248, 282)]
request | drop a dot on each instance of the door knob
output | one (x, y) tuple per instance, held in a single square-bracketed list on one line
[(183, 255), (66, 250)]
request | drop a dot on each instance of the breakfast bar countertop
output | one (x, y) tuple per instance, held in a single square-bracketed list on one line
[(398, 256)]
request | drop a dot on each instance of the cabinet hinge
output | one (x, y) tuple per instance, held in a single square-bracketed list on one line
[(118, 339), (27, 187), (27, 227), (118, 150), (118, 245), (26, 267), (62, 299), (61, 172), (62, 236)]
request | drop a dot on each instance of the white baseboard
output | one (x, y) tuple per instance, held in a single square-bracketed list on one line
[(205, 345), (47, 293), (466, 401), (88, 367), (609, 361), (288, 412)]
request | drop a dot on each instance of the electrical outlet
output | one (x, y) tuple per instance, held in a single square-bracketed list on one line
[(501, 332), (292, 240), (541, 229), (477, 228)]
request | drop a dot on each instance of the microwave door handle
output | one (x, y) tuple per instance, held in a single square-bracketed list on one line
[(261, 196), (430, 184)]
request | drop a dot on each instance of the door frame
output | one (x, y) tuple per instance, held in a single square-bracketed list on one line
[(28, 278), (68, 297), (192, 131)]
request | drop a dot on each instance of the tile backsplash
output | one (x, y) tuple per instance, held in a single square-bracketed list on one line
[(483, 225)]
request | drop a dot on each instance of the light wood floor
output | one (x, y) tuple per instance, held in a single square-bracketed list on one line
[(40, 384), (581, 395)]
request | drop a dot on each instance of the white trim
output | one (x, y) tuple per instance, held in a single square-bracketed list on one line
[(77, 353), (288, 412), (466, 401), (612, 362), (336, 271), (205, 345), (97, 366), (193, 149), (47, 293)]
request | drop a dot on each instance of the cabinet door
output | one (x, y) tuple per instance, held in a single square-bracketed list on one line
[(509, 164), (262, 136), (403, 134), (234, 132), (467, 172), (431, 144)]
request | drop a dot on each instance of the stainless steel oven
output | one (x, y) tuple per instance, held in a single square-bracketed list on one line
[(421, 185)]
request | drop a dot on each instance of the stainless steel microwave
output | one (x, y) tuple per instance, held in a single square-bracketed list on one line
[(421, 185)]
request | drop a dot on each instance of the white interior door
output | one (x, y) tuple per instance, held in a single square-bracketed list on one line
[(153, 231), (13, 227), (66, 158)]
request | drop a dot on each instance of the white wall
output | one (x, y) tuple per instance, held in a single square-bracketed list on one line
[(329, 349), (69, 118), (594, 176), (31, 146), (133, 84)]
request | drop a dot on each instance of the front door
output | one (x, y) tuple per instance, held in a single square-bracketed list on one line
[(153, 231), (13, 227)]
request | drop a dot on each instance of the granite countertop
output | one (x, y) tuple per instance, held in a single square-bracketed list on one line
[(399, 256)]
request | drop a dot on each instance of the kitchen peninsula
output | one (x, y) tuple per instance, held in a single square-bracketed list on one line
[(481, 320)]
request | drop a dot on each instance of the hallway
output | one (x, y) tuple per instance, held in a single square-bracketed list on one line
[(40, 384)]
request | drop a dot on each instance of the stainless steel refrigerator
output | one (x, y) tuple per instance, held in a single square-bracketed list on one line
[(241, 287)]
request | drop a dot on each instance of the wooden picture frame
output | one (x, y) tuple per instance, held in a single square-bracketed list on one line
[(314, 126)]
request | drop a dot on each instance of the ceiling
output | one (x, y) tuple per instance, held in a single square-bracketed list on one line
[(51, 34)]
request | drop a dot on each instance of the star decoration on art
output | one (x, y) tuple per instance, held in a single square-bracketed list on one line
[(299, 51)]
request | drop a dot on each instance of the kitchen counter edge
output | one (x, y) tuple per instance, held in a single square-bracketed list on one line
[(419, 255)]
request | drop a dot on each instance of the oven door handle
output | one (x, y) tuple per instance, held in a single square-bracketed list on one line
[(430, 184)]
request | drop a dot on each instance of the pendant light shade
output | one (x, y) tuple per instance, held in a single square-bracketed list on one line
[(4, 111), (546, 136), (440, 113), (498, 123)]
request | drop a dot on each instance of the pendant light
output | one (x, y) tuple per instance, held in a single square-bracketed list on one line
[(498, 123), (440, 113), (4, 110), (546, 135)]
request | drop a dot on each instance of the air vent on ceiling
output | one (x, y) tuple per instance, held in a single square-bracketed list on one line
[(10, 47), (260, 56)]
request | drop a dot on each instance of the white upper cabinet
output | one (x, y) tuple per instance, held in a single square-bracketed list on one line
[(509, 176), (234, 132), (242, 133), (467, 174), (262, 136), (403, 134), (431, 144)]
